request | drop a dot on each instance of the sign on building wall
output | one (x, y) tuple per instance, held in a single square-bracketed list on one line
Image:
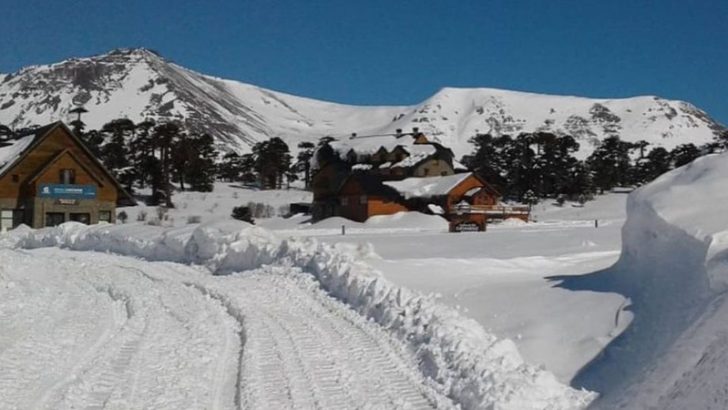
[(67, 191)]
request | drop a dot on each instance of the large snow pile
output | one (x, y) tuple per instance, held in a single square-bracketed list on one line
[(674, 267), (468, 364)]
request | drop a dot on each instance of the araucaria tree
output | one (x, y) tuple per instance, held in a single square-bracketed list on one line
[(305, 154), (272, 162), (155, 154), (610, 163)]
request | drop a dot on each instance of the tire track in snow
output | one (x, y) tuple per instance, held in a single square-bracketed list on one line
[(305, 350), (265, 339)]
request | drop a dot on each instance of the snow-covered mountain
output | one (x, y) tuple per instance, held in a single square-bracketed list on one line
[(138, 83)]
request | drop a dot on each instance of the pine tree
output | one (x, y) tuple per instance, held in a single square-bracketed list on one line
[(684, 154), (230, 167), (115, 151), (165, 136), (201, 168), (305, 154), (272, 162), (487, 159), (658, 162), (142, 152), (610, 163)]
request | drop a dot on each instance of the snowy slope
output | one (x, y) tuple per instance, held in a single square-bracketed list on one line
[(138, 83), (674, 267)]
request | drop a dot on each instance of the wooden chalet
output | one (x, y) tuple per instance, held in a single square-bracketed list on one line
[(395, 159), (364, 195), (49, 176), (463, 199)]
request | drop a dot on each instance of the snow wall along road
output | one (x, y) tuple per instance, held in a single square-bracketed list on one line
[(674, 268), (472, 367)]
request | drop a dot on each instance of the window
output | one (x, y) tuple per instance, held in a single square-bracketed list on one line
[(54, 218), (16, 177), (363, 199), (105, 216), (81, 217), (68, 176), (6, 220), (344, 201)]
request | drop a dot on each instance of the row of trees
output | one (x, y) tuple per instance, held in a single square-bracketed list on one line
[(150, 154), (269, 165), (538, 165)]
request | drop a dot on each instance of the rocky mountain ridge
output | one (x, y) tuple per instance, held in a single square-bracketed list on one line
[(139, 84)]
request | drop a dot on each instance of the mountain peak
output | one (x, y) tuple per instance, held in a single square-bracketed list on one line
[(138, 83)]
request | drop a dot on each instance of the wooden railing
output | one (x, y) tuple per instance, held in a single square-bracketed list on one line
[(494, 210)]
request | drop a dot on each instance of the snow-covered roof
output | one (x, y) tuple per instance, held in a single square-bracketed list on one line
[(361, 167), (429, 186), (458, 166), (417, 154), (473, 191), (9, 153)]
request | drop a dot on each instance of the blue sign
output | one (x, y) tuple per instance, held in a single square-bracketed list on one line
[(67, 191)]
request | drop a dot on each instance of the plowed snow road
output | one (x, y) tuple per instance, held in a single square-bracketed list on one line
[(90, 330)]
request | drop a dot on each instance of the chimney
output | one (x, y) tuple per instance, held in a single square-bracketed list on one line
[(398, 133), (353, 135), (415, 130)]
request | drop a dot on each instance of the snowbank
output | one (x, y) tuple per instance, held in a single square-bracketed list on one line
[(408, 220), (466, 363), (400, 221), (674, 267)]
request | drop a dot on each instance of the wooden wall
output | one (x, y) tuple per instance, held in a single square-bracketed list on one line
[(486, 197)]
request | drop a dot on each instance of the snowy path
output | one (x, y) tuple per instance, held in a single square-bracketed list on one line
[(90, 330)]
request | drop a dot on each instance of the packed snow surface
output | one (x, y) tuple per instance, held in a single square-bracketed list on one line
[(340, 331)]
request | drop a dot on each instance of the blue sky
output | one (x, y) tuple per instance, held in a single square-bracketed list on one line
[(399, 52)]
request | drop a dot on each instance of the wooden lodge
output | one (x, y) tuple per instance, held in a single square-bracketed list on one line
[(48, 176), (404, 175)]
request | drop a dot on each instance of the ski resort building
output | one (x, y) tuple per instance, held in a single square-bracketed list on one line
[(388, 157), (48, 176), (417, 174)]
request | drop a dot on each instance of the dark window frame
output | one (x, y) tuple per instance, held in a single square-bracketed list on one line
[(68, 176)]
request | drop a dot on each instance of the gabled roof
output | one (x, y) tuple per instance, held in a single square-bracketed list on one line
[(14, 153), (57, 157)]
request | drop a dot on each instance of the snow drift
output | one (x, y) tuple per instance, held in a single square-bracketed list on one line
[(469, 365), (674, 267)]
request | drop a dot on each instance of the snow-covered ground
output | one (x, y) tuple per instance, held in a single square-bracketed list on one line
[(195, 207), (505, 278), (632, 307), (317, 326), (116, 332)]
